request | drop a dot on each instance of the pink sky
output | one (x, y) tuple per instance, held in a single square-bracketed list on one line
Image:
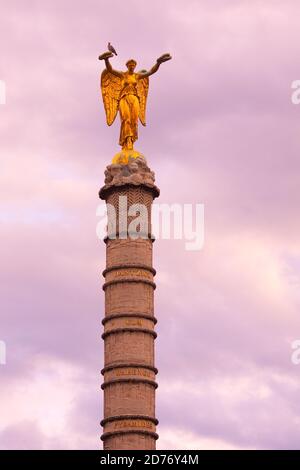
[(221, 131)]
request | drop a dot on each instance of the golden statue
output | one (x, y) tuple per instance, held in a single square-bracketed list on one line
[(126, 92)]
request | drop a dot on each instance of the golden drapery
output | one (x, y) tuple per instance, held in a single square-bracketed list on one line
[(129, 113), (128, 95)]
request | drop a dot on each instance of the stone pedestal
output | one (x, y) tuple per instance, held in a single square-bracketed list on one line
[(129, 370)]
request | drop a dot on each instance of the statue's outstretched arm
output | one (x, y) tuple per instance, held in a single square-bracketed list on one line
[(108, 65), (155, 67)]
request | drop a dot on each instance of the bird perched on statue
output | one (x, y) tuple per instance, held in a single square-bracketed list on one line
[(111, 48)]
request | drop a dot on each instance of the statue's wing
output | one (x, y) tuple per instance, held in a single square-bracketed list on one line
[(142, 91), (111, 86)]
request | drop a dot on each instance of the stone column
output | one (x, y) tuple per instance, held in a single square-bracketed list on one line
[(129, 370)]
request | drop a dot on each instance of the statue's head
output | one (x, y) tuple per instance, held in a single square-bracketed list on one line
[(131, 64)]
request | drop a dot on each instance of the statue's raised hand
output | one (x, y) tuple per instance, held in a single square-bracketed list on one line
[(164, 58), (105, 55)]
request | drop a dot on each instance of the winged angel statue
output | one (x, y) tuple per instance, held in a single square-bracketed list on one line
[(126, 92)]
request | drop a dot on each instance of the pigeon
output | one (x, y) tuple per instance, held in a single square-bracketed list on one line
[(111, 48)]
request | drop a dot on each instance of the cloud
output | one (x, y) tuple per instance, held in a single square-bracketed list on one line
[(221, 122)]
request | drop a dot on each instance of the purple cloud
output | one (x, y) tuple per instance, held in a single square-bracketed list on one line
[(221, 123)]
